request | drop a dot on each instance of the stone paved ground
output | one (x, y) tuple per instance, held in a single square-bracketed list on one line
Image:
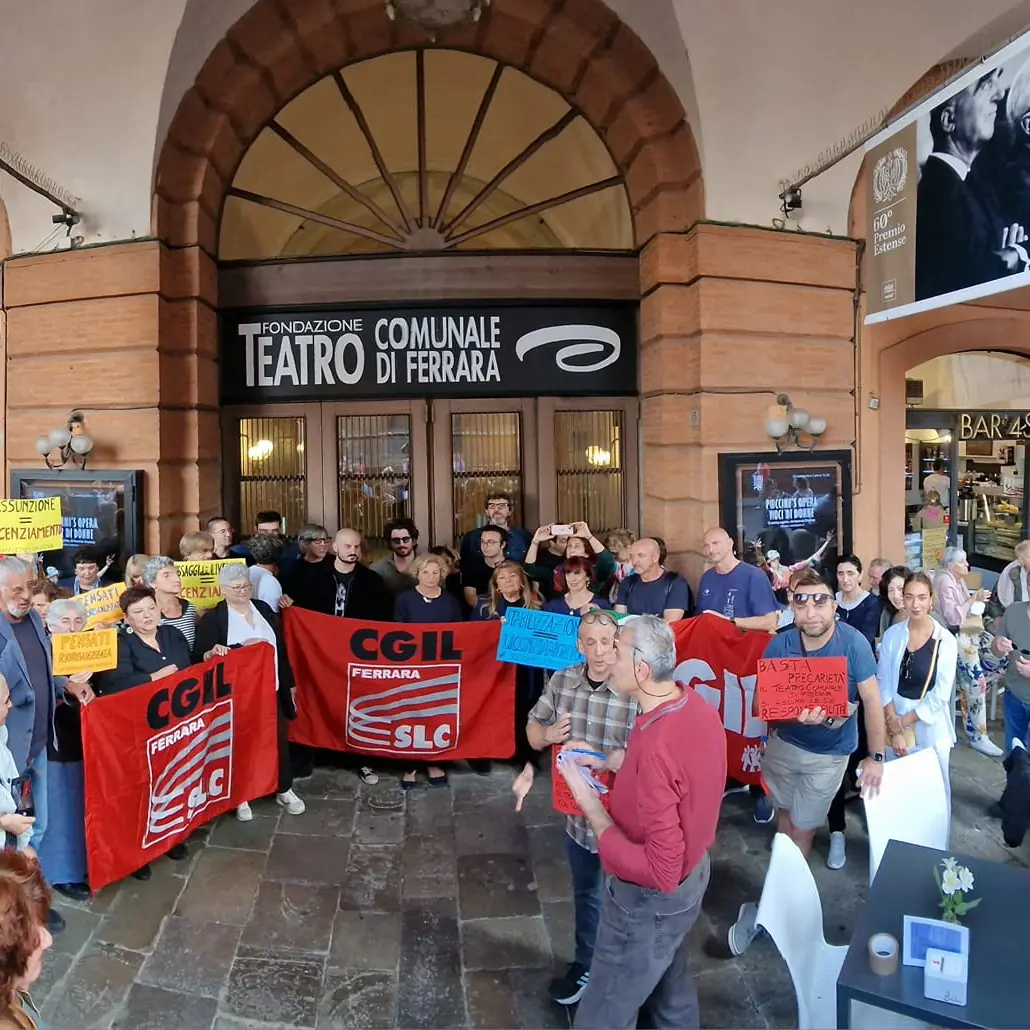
[(435, 909)]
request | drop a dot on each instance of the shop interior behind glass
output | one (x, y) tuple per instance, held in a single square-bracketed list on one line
[(966, 421)]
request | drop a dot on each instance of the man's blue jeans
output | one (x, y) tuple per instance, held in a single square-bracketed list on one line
[(36, 773), (586, 898), (1017, 720)]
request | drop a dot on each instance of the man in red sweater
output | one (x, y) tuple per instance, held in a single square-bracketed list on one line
[(654, 845)]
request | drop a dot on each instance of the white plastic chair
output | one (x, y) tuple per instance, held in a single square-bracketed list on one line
[(912, 806), (792, 914)]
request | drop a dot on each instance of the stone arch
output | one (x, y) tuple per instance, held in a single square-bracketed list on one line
[(579, 48)]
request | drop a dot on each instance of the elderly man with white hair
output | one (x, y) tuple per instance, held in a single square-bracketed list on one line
[(653, 590), (26, 663), (239, 620), (654, 844), (951, 593)]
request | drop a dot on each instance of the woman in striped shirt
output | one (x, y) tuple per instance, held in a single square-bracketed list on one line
[(161, 575)]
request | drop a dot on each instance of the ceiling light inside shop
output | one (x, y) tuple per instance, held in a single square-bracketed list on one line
[(599, 456), (261, 450)]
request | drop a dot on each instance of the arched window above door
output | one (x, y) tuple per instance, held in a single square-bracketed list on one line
[(425, 151)]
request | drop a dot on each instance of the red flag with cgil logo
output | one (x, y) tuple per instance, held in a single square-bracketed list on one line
[(166, 757), (721, 663), (401, 691)]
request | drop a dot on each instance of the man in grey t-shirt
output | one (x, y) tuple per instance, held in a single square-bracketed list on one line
[(1013, 642)]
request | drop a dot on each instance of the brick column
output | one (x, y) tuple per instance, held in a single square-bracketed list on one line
[(127, 334), (730, 317)]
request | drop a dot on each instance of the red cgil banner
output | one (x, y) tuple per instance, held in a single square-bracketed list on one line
[(721, 663), (166, 757), (437, 691), (411, 691)]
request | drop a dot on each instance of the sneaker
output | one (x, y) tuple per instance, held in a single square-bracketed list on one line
[(986, 746), (744, 930), (291, 802), (568, 989), (764, 811), (837, 856), (368, 775), (243, 813), (179, 853)]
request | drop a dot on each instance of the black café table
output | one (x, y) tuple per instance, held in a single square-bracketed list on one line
[(999, 942)]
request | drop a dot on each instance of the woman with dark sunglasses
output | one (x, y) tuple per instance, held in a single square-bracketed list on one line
[(916, 676)]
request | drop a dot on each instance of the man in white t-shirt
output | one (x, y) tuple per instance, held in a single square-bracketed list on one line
[(936, 480)]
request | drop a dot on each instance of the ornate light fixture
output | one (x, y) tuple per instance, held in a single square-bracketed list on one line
[(72, 443), (793, 427), (437, 14)]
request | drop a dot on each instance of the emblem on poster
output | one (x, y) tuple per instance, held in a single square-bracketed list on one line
[(890, 175)]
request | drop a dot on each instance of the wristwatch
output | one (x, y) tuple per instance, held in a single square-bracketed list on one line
[(878, 756)]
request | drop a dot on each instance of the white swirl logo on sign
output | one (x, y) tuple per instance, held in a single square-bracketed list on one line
[(579, 340)]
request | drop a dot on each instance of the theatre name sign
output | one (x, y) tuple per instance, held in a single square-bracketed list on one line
[(502, 350)]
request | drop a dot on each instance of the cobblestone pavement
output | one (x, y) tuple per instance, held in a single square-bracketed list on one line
[(439, 908)]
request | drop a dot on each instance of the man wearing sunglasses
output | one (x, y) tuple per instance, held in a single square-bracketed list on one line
[(402, 537), (805, 759)]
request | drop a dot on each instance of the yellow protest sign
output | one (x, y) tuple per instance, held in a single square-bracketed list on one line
[(200, 580), (90, 651), (935, 541), (30, 526), (101, 605)]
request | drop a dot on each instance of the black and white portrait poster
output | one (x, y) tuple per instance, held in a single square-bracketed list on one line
[(948, 193)]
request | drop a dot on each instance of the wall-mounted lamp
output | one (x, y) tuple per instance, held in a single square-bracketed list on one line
[(72, 443), (437, 14), (793, 427)]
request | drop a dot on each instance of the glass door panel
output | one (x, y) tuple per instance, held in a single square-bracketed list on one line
[(589, 470), (273, 473), (381, 458), (486, 457)]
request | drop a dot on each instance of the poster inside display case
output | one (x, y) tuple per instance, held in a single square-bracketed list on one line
[(99, 509), (797, 504)]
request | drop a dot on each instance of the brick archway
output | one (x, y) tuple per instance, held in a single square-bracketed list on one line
[(577, 47)]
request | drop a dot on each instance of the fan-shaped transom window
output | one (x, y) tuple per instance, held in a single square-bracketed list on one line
[(425, 150)]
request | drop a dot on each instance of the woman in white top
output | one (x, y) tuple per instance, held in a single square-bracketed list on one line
[(916, 675), (240, 620)]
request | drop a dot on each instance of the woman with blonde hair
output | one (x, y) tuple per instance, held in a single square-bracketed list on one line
[(427, 602), (510, 588), (24, 937), (134, 570), (198, 546)]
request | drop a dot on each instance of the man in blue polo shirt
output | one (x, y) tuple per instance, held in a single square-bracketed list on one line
[(805, 760)]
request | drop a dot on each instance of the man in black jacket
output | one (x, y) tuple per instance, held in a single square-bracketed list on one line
[(342, 586)]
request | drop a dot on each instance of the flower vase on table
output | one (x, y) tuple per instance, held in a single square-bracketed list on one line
[(954, 882)]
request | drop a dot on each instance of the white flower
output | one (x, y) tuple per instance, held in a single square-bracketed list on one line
[(949, 882), (951, 864), (965, 879)]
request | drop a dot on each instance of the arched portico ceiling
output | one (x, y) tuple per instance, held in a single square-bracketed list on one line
[(425, 150)]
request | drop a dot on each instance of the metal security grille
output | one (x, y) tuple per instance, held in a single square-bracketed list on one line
[(588, 461), (486, 453), (374, 470), (272, 470)]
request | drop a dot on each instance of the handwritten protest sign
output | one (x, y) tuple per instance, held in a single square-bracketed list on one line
[(561, 796), (200, 580), (787, 686), (102, 608), (30, 527), (91, 651), (543, 640)]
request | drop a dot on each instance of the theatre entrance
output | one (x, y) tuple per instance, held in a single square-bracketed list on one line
[(435, 461)]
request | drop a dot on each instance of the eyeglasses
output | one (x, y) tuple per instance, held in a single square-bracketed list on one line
[(400, 540), (819, 600), (239, 584), (315, 539), (601, 616), (497, 507)]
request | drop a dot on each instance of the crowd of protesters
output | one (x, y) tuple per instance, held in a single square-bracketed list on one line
[(908, 640)]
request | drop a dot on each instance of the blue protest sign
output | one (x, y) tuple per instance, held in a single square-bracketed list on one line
[(543, 640)]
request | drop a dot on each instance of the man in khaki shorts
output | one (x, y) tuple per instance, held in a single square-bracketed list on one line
[(805, 761)]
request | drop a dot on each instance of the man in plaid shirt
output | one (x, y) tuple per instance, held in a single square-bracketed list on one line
[(580, 707)]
